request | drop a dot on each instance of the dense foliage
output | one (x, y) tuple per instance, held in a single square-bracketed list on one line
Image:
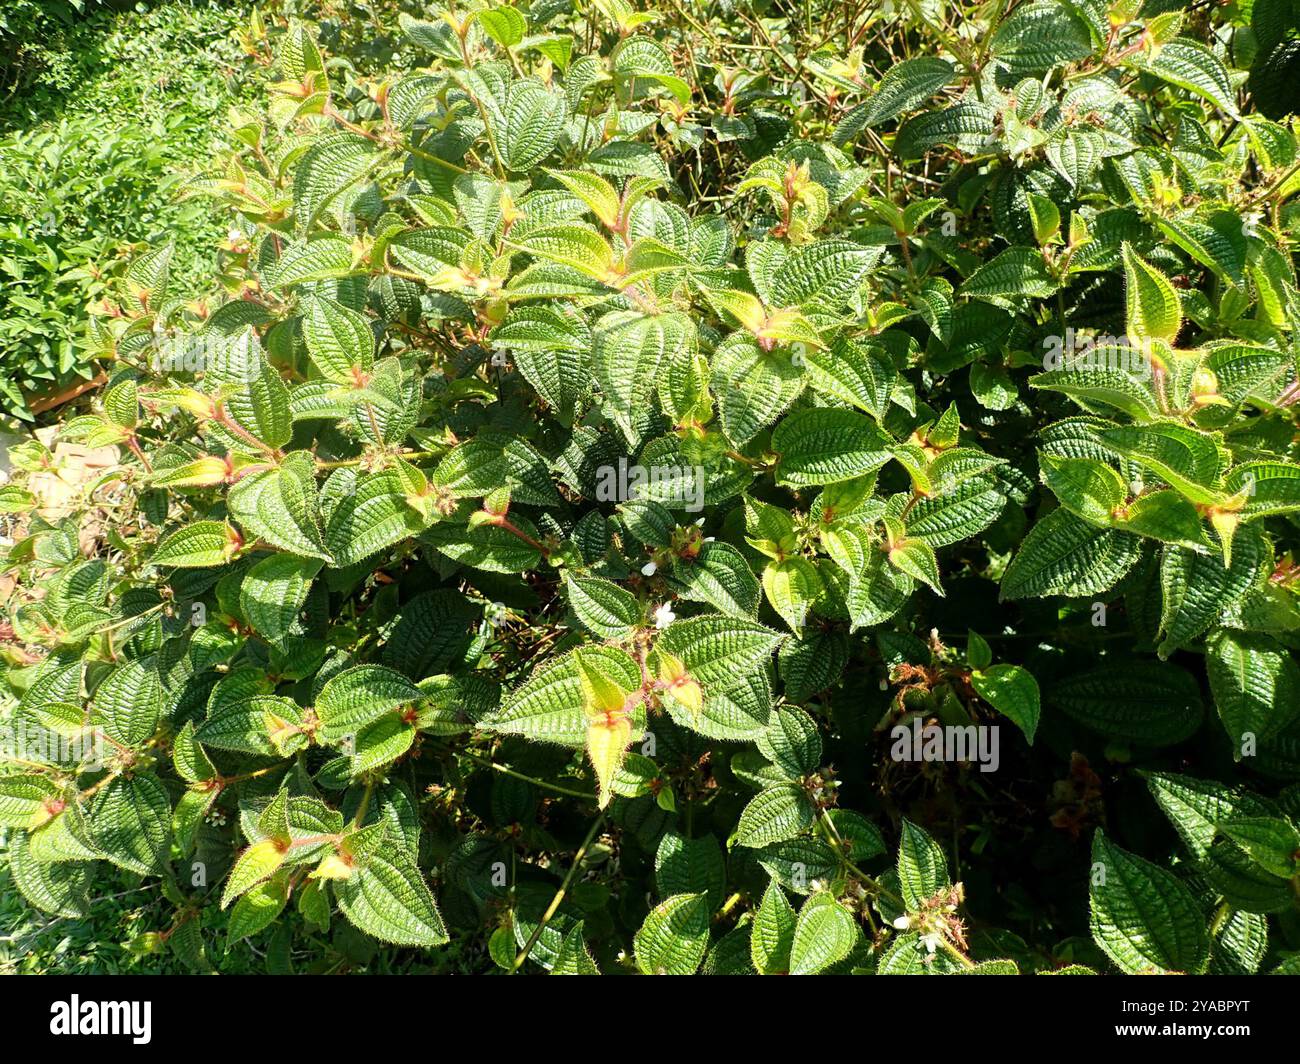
[(712, 489)]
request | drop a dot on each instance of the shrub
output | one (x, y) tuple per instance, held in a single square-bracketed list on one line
[(635, 512), (106, 116)]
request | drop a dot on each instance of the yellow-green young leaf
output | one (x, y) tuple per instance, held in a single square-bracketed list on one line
[(791, 586), (1143, 917), (772, 932), (609, 725), (258, 907), (254, 864), (1154, 311), (916, 558), (674, 936), (824, 935), (505, 25), (202, 545), (594, 191), (549, 706), (1084, 486), (922, 867), (27, 801)]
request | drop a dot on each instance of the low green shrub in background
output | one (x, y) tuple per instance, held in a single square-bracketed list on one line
[(714, 488), (103, 115)]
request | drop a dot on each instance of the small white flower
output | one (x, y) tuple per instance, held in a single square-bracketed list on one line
[(234, 236), (709, 539), (664, 615), (649, 569), (902, 922), (699, 523), (931, 941)]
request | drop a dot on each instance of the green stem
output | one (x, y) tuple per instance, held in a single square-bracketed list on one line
[(559, 895)]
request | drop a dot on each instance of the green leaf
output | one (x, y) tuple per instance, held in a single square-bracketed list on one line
[(1197, 588), (1040, 35), (1016, 272), (718, 650), (605, 609), (201, 545), (281, 507), (774, 815), (1255, 683), (630, 350), (825, 446), (360, 696), (1064, 555), (61, 889), (1134, 701), (1013, 692), (824, 935), (690, 866), (274, 590), (387, 897), (773, 932), (1196, 807), (574, 958), (128, 703), (1142, 917), (374, 516), (904, 87), (791, 586), (792, 742), (1192, 66), (1273, 843), (674, 936), (130, 823), (1084, 486), (922, 867), (754, 386), (339, 340)]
